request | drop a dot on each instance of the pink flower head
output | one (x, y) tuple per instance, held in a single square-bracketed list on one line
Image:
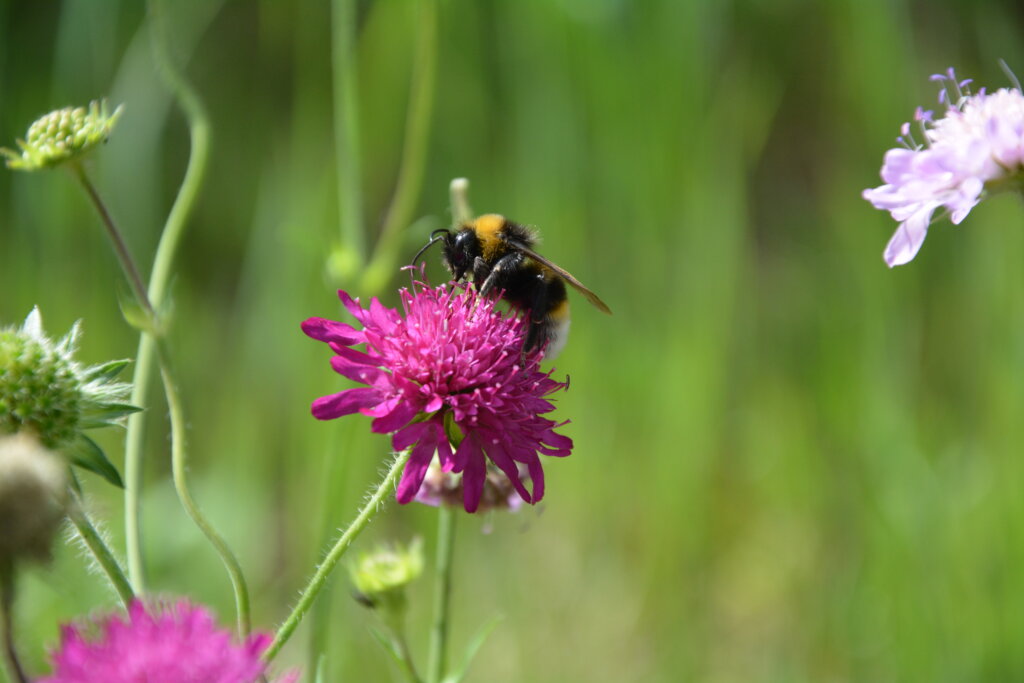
[(448, 371), (977, 146), (177, 643)]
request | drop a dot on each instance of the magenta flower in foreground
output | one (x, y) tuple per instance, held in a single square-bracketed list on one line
[(177, 643), (977, 146), (449, 371)]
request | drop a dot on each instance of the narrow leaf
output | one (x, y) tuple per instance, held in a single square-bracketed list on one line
[(471, 650), (106, 371), (87, 454), (389, 645)]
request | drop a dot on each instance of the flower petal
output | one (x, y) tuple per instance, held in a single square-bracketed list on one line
[(345, 403), (325, 330)]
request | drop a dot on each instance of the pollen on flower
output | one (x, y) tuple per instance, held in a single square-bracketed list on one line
[(976, 148), (458, 389)]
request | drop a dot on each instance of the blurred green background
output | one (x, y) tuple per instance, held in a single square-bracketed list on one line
[(791, 463)]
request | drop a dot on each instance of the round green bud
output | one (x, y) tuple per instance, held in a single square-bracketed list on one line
[(381, 576)]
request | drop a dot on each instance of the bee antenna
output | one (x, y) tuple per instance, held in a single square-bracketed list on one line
[(435, 236)]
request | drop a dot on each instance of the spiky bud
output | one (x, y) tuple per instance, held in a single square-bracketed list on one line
[(33, 496), (61, 136), (43, 390)]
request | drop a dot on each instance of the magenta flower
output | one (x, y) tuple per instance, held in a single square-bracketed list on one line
[(977, 146), (177, 643), (449, 372)]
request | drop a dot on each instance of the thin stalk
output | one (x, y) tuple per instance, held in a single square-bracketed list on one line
[(99, 549), (346, 128), (179, 467), (437, 661), (117, 240), (15, 670), (414, 151), (316, 584), (177, 219)]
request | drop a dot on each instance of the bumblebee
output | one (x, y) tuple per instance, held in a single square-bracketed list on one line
[(499, 255)]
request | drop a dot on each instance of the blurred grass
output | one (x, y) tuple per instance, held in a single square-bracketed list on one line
[(791, 464)]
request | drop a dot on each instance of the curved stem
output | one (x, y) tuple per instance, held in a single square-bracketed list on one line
[(438, 659), (414, 151), (316, 584), (99, 549), (179, 467), (15, 669), (177, 219)]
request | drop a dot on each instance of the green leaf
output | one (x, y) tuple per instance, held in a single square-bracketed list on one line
[(452, 430), (471, 650), (389, 645), (112, 411), (85, 453), (106, 371), (133, 312)]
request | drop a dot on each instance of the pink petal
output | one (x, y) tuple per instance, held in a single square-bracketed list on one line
[(325, 330), (345, 403)]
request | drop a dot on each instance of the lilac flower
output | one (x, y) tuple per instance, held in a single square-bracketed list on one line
[(449, 372), (977, 146), (171, 644)]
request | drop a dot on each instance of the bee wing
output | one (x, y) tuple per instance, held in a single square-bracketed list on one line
[(564, 274)]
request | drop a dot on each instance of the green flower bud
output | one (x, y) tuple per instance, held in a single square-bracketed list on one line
[(380, 576), (43, 390), (33, 496), (62, 135)]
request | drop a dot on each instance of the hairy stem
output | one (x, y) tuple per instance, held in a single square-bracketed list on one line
[(316, 584), (437, 661), (99, 549)]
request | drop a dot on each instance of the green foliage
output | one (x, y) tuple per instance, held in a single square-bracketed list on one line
[(791, 463)]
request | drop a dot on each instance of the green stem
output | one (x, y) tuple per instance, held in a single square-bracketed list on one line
[(346, 128), (177, 219), (414, 151), (438, 656), (458, 191), (141, 378), (96, 545), (179, 467), (404, 655), (16, 672), (316, 584)]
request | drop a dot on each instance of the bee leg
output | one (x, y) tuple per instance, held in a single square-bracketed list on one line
[(480, 272), (539, 332), (503, 267)]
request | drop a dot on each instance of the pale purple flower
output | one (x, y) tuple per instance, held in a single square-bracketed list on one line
[(449, 371), (177, 643), (977, 146)]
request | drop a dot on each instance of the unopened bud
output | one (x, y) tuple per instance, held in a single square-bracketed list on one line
[(33, 496)]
